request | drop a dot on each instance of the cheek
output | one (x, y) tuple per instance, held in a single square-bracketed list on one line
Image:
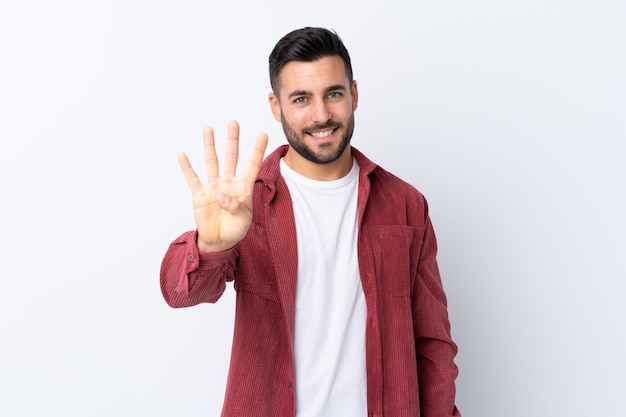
[(343, 111), (295, 119)]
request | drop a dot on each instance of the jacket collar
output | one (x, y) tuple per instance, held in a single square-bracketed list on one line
[(270, 171)]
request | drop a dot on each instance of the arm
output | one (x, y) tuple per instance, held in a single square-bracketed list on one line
[(198, 264), (435, 348), (190, 277)]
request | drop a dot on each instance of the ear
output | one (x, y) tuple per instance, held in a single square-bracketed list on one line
[(275, 106), (354, 91)]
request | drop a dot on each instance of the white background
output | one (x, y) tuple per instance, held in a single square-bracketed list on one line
[(508, 115)]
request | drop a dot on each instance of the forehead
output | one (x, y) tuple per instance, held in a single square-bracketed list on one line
[(313, 76)]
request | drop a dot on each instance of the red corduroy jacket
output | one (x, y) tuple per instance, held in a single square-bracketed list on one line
[(410, 353)]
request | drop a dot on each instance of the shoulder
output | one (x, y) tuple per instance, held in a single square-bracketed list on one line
[(385, 185), (384, 181), (391, 194)]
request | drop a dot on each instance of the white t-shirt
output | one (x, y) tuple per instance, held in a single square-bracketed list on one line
[(330, 305)]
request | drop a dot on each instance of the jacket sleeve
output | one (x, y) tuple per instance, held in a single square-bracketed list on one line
[(190, 277), (435, 348)]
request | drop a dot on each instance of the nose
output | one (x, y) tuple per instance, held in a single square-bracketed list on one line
[(320, 112)]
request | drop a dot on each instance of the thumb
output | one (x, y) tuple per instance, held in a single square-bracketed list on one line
[(228, 204), (222, 199)]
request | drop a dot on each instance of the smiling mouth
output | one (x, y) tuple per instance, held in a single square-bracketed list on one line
[(321, 134)]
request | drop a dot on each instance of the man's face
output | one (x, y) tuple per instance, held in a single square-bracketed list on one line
[(315, 104)]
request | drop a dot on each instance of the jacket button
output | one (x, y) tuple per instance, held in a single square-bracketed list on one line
[(190, 258), (289, 384)]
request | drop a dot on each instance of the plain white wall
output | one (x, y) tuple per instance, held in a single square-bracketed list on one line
[(509, 116)]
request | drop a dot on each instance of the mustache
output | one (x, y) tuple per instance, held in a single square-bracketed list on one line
[(323, 126)]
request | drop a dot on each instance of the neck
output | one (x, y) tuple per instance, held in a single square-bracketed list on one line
[(339, 168)]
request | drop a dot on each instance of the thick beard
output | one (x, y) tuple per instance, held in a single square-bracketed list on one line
[(327, 154)]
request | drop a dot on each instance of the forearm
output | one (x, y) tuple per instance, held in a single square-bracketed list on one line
[(435, 348), (435, 351), (437, 373), (190, 277)]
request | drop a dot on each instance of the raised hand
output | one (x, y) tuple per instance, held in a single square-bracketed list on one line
[(223, 206)]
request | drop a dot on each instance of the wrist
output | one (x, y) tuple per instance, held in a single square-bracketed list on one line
[(211, 247)]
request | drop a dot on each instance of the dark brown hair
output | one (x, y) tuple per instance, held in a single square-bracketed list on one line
[(306, 45)]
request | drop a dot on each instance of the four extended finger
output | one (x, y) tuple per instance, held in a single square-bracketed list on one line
[(210, 155), (232, 149), (190, 175), (231, 158), (256, 157)]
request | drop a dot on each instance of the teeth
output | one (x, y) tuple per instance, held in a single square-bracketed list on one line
[(321, 135)]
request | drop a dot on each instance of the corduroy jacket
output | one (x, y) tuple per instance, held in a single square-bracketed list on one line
[(409, 350)]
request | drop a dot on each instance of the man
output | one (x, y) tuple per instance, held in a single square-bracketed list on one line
[(340, 308)]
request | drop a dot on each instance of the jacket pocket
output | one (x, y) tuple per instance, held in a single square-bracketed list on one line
[(393, 248)]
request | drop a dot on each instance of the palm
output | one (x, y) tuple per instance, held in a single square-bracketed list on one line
[(223, 206), (214, 223)]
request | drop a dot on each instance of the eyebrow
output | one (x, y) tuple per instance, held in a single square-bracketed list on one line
[(335, 87)]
